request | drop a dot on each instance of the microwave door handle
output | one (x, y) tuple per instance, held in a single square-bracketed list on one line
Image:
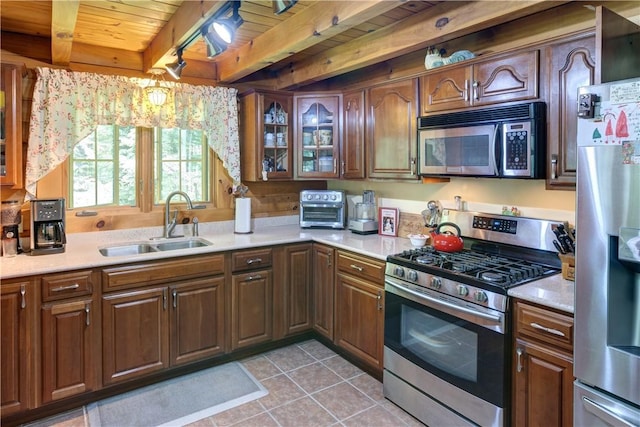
[(493, 150)]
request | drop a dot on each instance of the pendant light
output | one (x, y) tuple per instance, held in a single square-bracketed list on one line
[(157, 93), (175, 68)]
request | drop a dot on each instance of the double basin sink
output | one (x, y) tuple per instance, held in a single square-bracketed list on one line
[(153, 246)]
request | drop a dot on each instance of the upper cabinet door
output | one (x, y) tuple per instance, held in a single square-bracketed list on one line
[(11, 126), (570, 64), (266, 136), (352, 164), (504, 78), (617, 41), (318, 135), (392, 111)]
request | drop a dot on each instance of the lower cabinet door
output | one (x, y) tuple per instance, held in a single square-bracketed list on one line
[(68, 349), (359, 319), (251, 308), (197, 320), (543, 386), (135, 334)]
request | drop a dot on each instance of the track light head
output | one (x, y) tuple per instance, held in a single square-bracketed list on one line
[(175, 68)]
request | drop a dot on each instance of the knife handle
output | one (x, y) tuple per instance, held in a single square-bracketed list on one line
[(558, 247)]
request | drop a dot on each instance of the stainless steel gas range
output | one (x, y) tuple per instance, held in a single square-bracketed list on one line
[(447, 338)]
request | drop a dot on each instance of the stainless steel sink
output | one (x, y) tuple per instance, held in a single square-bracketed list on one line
[(146, 247)]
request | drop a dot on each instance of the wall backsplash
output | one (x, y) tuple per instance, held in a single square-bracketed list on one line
[(488, 195)]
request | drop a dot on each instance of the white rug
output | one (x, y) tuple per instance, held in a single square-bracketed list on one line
[(179, 401)]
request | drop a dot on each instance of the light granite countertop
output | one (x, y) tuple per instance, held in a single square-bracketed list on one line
[(82, 251)]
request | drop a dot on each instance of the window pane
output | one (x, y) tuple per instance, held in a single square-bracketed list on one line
[(103, 169), (181, 164)]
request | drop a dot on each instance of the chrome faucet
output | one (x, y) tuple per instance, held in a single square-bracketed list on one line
[(169, 226)]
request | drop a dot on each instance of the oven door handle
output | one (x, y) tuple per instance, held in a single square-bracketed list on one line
[(488, 316)]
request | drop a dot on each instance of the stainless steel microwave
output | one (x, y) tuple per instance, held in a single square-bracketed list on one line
[(505, 142)]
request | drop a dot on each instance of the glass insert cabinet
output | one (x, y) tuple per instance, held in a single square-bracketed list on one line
[(11, 125), (266, 136), (318, 135)]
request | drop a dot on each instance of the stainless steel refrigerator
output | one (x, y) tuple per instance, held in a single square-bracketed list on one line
[(607, 279)]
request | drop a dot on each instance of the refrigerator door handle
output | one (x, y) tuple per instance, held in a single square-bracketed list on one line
[(604, 414)]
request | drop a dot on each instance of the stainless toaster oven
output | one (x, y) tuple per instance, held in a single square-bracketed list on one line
[(323, 209)]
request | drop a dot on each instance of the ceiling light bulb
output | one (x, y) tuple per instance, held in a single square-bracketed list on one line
[(223, 30)]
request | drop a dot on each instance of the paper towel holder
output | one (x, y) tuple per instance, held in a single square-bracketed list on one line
[(243, 217)]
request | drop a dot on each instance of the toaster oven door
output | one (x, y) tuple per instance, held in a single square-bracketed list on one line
[(322, 215)]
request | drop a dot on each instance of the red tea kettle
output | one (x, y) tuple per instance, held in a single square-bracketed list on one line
[(447, 241)]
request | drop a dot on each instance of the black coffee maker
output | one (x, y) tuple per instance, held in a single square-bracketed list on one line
[(47, 226)]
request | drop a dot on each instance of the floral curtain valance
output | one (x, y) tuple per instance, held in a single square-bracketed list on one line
[(67, 106)]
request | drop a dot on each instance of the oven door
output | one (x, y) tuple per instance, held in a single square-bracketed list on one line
[(455, 343), (323, 215)]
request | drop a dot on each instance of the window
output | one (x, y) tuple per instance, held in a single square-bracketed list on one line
[(107, 169), (181, 163), (104, 168)]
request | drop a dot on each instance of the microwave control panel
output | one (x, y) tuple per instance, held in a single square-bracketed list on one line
[(516, 139)]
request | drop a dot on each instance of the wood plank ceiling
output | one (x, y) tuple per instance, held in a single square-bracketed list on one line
[(312, 41)]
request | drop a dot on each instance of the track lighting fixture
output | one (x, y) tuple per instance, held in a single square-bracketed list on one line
[(215, 45), (225, 28), (175, 68), (281, 6)]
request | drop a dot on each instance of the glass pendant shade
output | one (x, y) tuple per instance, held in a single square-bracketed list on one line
[(155, 92)]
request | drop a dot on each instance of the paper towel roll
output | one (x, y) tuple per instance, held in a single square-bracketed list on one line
[(243, 215)]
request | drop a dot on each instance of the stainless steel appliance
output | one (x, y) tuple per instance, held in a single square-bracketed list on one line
[(607, 303), (364, 221), (505, 142), (323, 209), (447, 334), (47, 226)]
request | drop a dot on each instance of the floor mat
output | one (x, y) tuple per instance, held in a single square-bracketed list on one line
[(179, 401)]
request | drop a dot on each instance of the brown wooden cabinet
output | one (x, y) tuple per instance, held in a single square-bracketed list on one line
[(318, 134), (251, 298), (266, 136), (543, 367), (502, 78), (18, 314), (352, 164), (166, 313), (292, 311), (11, 174), (323, 289), (391, 130), (70, 334), (570, 63), (359, 307)]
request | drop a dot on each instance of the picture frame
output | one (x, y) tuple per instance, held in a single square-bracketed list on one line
[(388, 221)]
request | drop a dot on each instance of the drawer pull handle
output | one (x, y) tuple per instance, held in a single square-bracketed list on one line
[(355, 267), (251, 261), (65, 288), (519, 360), (256, 277), (549, 330)]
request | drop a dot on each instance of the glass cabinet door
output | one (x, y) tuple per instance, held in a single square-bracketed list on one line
[(318, 136), (277, 160)]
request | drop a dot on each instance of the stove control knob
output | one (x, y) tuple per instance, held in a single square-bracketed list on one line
[(436, 283), (480, 296), (412, 275), (462, 290), (398, 271)]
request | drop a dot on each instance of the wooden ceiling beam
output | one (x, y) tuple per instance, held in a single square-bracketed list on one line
[(63, 22), (319, 22), (183, 24), (442, 22)]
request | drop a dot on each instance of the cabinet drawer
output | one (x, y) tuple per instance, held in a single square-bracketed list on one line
[(544, 325), (128, 276), (248, 260), (362, 267), (67, 285)]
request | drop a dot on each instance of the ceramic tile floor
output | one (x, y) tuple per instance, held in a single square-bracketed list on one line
[(309, 386)]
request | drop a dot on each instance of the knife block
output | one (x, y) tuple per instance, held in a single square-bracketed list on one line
[(568, 266)]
